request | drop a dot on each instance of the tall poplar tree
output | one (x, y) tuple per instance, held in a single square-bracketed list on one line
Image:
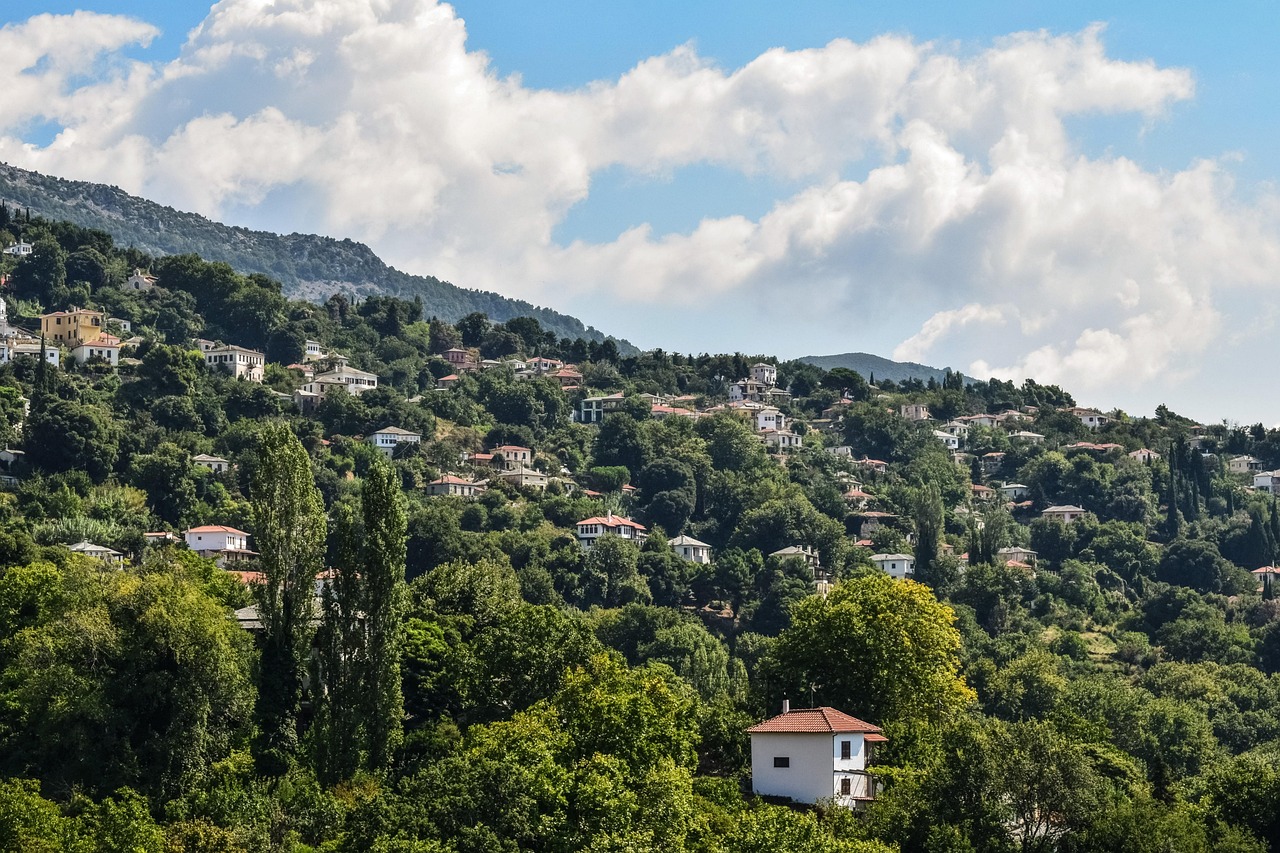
[(929, 522), (364, 604), (385, 524), (289, 529)]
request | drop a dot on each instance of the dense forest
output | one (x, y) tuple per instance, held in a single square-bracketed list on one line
[(429, 672), (305, 264)]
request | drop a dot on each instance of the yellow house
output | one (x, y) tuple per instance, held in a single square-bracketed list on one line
[(71, 328)]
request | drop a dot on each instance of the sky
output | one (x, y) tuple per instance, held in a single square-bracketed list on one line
[(1081, 193)]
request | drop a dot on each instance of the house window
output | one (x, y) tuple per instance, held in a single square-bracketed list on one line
[(846, 750), (782, 761), (846, 787)]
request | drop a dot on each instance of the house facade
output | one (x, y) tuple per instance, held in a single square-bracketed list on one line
[(591, 529), (216, 464), (454, 487), (140, 281), (914, 411), (896, 566), (351, 380), (387, 439), (226, 544), (71, 328), (1065, 514), (688, 548), (242, 363), (814, 754), (765, 374), (103, 348)]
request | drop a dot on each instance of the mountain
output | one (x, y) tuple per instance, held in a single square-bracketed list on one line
[(873, 365), (309, 266)]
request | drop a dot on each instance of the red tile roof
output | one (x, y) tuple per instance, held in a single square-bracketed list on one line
[(217, 528), (813, 721), (611, 521)]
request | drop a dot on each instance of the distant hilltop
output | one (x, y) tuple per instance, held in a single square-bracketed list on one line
[(308, 265), (869, 365)]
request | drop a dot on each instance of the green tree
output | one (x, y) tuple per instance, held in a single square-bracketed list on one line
[(289, 529), (880, 649)]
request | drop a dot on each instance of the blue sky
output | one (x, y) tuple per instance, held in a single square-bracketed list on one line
[(999, 187)]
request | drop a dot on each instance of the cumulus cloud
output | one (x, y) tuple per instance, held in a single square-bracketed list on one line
[(943, 205)]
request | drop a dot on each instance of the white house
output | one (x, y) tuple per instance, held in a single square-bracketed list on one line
[(241, 363), (770, 418), (513, 456), (1267, 481), (218, 540), (765, 374), (1065, 514), (814, 754), (915, 411), (1144, 455), (105, 348), (313, 351), (98, 552), (959, 429), (688, 548), (455, 486), (1014, 491), (1017, 554), (1028, 437), (748, 389), (1091, 418), (897, 566), (949, 440), (216, 464), (20, 248), (14, 348), (352, 380), (591, 529), (389, 438), (781, 439)]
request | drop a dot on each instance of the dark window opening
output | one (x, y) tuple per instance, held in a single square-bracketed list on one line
[(846, 749), (845, 787), (781, 761)]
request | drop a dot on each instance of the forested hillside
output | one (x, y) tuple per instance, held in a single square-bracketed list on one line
[(309, 266), (425, 644)]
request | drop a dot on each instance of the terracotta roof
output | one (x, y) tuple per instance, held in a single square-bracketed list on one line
[(875, 738), (217, 528), (813, 721), (612, 521)]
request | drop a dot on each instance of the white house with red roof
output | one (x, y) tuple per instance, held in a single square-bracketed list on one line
[(591, 529), (219, 541), (813, 754)]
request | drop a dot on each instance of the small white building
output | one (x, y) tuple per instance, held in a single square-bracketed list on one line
[(14, 348), (513, 456), (1014, 491), (1091, 418), (353, 381), (242, 363), (765, 374), (1267, 481), (140, 281), (20, 248), (104, 348), (98, 552), (949, 440), (313, 351), (1066, 514), (591, 529), (804, 552), (688, 548), (455, 487), (814, 754), (389, 438), (216, 464), (217, 540), (770, 418), (781, 440), (897, 566), (1027, 436)]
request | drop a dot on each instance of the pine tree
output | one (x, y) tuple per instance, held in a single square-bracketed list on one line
[(289, 528)]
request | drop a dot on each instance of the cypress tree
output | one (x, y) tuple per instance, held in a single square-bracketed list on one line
[(289, 528), (385, 526), (338, 731)]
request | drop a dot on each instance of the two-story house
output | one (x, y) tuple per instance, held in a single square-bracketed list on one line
[(1066, 514), (897, 566), (455, 487), (591, 529), (814, 754), (765, 374), (387, 439), (688, 548), (226, 544), (71, 328), (242, 363)]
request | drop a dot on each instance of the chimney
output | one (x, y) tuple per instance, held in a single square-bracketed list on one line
[(786, 706)]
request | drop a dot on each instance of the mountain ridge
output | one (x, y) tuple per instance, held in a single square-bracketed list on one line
[(309, 266), (868, 365)]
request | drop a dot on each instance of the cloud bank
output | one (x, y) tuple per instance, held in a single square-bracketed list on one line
[(943, 205)]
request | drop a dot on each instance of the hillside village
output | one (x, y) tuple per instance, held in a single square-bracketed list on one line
[(993, 619)]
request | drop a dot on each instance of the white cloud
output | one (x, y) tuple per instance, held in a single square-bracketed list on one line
[(939, 191)]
